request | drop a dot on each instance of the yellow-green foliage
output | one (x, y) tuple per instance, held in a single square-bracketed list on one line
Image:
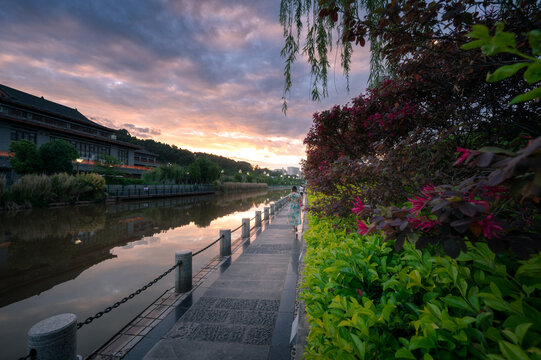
[(366, 301), (41, 190), (91, 187)]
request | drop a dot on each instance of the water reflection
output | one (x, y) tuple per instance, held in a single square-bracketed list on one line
[(42, 248)]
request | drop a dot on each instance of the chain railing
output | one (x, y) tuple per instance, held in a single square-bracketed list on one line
[(183, 283), (206, 247), (235, 229), (129, 297)]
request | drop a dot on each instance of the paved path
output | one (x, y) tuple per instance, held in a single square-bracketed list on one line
[(247, 312)]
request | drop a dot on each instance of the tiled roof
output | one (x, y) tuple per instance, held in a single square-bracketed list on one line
[(39, 103)]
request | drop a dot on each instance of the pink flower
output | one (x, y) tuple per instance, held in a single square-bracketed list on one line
[(465, 154), (423, 223), (472, 200), (495, 191), (418, 203), (490, 227), (358, 206), (363, 229), (426, 191)]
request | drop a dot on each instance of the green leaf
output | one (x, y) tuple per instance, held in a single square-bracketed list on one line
[(403, 353), (521, 330), (530, 95), (534, 39), (479, 31), (472, 45), (505, 71), (533, 73), (427, 357), (457, 302), (512, 352), (360, 347), (495, 290)]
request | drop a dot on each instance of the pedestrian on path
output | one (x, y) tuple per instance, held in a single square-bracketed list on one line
[(295, 203)]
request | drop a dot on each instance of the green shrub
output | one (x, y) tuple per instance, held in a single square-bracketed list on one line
[(91, 187), (64, 188), (42, 190), (366, 301), (32, 190)]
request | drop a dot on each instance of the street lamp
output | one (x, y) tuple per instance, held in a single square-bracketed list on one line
[(78, 160)]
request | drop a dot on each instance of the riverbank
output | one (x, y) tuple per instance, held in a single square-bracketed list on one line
[(83, 259)]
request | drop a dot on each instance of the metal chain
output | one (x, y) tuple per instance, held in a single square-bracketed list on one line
[(235, 229), (129, 297), (206, 247), (252, 218), (31, 355)]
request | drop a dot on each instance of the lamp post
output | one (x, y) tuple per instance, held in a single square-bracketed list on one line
[(79, 161)]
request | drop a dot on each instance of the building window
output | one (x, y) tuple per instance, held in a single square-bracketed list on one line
[(17, 135), (123, 156)]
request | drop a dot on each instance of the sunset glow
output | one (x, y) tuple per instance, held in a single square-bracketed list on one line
[(204, 76)]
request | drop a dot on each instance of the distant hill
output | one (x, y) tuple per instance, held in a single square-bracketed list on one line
[(175, 155)]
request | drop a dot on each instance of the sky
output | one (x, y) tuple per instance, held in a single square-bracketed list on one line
[(204, 75)]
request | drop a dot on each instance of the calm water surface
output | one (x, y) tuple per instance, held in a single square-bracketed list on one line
[(83, 259)]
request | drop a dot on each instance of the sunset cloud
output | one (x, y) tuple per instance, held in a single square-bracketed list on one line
[(203, 75)]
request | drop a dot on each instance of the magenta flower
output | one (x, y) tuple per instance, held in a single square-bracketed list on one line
[(472, 200), (465, 153), (358, 205), (423, 223), (490, 227), (417, 204), (363, 229), (495, 191), (427, 190)]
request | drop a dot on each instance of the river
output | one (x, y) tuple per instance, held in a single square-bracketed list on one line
[(83, 259)]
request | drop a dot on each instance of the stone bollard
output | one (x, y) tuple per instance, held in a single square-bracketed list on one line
[(266, 213), (272, 207), (54, 338), (225, 242), (183, 273), (245, 228), (258, 218)]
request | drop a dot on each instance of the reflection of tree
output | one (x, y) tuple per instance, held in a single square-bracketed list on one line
[(50, 246), (45, 223)]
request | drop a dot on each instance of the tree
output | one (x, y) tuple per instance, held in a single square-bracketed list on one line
[(108, 167), (401, 32), (58, 156), (27, 160)]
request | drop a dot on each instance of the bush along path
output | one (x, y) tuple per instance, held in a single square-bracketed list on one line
[(364, 300)]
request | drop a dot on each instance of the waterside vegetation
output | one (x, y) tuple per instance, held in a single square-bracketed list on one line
[(425, 228)]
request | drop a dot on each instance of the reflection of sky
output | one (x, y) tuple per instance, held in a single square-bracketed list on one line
[(203, 75), (105, 283)]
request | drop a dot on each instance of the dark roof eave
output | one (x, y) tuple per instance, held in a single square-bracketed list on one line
[(88, 136), (33, 108)]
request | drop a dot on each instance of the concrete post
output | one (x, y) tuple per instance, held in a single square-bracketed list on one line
[(183, 273), (258, 218), (54, 338), (272, 207), (266, 213), (225, 242), (245, 228)]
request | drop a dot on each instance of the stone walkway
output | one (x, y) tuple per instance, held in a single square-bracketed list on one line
[(247, 311)]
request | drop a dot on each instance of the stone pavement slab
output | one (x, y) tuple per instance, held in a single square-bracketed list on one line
[(246, 313)]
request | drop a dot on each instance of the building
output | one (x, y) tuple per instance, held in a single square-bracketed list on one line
[(25, 116)]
